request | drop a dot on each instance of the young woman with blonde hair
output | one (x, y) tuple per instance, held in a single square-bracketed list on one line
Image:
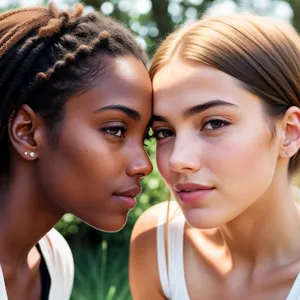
[(227, 124)]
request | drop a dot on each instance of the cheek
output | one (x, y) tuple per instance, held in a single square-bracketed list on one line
[(163, 153), (244, 163), (83, 169), (91, 157)]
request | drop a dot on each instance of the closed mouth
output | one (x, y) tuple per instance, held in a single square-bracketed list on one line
[(191, 187), (131, 192)]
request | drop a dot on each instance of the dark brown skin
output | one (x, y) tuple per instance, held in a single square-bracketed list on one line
[(94, 159)]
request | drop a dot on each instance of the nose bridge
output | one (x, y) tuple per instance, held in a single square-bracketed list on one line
[(139, 162), (185, 154)]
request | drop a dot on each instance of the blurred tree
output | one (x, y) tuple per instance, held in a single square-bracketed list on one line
[(295, 6), (161, 16)]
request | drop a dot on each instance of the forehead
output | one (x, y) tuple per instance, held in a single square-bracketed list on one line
[(124, 81), (183, 83), (127, 78)]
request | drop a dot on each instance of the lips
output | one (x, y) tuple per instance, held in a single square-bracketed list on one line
[(131, 192), (190, 187), (126, 198), (192, 192)]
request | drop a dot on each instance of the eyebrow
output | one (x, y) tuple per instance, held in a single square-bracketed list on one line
[(193, 110), (131, 113), (158, 119)]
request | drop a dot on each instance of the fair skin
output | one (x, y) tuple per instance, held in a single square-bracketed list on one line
[(240, 238)]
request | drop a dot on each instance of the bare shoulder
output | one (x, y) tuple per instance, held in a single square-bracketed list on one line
[(148, 220), (143, 269)]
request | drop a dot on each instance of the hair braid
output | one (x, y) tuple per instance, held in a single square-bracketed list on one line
[(19, 77), (83, 50), (18, 56), (9, 13), (19, 31)]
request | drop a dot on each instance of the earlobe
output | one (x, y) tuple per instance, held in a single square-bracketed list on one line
[(291, 143), (24, 132)]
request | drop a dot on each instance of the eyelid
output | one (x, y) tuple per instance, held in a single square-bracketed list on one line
[(113, 123), (215, 118), (107, 128)]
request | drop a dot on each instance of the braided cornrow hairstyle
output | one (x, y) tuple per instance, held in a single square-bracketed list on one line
[(47, 55)]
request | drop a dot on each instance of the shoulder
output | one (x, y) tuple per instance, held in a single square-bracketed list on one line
[(61, 258), (143, 267), (147, 223)]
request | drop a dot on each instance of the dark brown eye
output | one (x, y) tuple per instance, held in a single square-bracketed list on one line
[(163, 134), (115, 131)]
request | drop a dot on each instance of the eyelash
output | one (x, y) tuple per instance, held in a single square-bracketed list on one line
[(157, 132), (108, 130), (147, 136), (224, 123)]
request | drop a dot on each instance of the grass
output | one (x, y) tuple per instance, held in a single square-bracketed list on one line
[(101, 274)]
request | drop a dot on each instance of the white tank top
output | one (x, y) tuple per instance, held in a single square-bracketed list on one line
[(171, 275), (59, 261)]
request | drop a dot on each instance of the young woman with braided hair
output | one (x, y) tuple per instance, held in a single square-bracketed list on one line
[(75, 108)]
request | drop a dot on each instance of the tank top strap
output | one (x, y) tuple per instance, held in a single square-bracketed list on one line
[(3, 295), (295, 291), (176, 258), (171, 274), (161, 254)]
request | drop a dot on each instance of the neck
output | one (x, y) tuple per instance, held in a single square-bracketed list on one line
[(266, 234), (26, 216)]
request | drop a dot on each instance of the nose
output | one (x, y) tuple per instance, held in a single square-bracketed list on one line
[(185, 157), (140, 164)]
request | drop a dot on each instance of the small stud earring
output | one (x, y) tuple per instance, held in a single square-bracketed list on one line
[(287, 153), (31, 154), (26, 153)]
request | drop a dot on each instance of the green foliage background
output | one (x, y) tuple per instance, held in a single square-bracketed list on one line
[(101, 258)]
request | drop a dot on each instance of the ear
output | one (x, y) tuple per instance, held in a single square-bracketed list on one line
[(25, 133), (291, 123)]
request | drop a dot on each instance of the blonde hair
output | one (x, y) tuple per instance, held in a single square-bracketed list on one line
[(262, 53)]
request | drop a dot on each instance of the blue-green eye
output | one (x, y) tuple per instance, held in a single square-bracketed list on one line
[(215, 124)]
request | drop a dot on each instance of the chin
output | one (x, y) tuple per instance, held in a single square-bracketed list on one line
[(197, 218), (108, 224)]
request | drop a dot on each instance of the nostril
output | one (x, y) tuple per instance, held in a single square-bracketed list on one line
[(140, 168), (181, 166), (148, 169)]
